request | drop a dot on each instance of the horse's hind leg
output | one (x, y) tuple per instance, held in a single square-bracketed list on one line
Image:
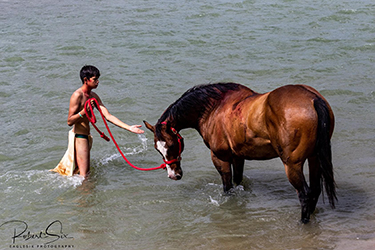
[(315, 181), (295, 175), (238, 164), (224, 170)]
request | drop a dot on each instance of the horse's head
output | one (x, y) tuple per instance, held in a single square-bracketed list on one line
[(170, 144)]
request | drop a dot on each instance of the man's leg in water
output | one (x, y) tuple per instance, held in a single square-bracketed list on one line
[(82, 155)]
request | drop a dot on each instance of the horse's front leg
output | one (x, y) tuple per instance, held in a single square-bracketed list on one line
[(238, 164), (224, 169)]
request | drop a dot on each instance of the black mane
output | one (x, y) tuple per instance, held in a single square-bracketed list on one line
[(200, 99)]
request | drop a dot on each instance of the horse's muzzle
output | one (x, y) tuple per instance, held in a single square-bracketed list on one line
[(175, 177), (174, 174)]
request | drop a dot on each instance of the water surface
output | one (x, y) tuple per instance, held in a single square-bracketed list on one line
[(149, 53)]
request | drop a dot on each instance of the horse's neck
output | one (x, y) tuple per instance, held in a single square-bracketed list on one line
[(189, 119), (186, 121), (197, 114)]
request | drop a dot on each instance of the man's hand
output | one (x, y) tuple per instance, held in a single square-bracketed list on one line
[(136, 129)]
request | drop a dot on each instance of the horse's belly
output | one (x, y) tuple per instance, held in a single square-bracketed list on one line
[(260, 151)]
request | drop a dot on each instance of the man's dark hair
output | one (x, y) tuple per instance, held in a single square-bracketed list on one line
[(89, 71)]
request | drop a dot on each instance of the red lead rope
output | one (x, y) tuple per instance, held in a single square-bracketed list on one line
[(92, 119)]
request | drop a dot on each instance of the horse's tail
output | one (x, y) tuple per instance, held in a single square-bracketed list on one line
[(323, 149)]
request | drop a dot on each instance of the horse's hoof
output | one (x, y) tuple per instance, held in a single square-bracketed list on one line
[(305, 220)]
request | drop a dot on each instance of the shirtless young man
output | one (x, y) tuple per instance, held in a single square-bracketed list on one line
[(77, 117)]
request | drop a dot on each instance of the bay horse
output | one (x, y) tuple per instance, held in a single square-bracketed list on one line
[(293, 122)]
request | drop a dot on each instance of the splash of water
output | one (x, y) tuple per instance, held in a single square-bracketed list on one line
[(129, 151)]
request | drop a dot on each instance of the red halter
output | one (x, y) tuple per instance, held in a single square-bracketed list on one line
[(179, 138)]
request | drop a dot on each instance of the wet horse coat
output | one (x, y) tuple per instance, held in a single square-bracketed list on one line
[(293, 122)]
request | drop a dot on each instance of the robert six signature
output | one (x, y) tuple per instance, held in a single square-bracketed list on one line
[(52, 233)]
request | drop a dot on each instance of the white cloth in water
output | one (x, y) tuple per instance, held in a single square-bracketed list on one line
[(67, 165)]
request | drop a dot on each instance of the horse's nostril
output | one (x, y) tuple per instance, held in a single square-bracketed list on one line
[(175, 177)]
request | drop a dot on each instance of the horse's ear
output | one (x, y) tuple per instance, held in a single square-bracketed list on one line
[(149, 126)]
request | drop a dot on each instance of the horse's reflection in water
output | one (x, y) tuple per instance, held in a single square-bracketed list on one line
[(293, 122)]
